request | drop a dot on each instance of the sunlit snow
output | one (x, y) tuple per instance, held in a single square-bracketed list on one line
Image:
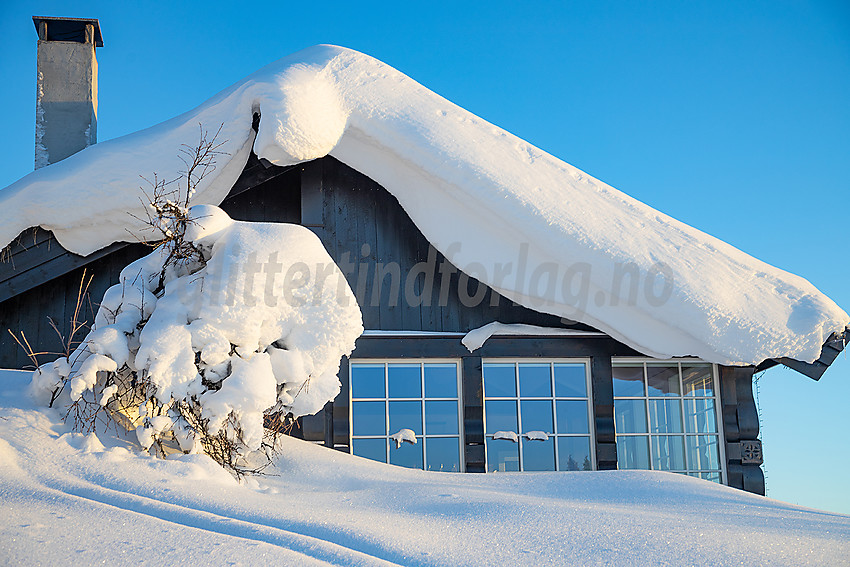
[(67, 498), (215, 331), (534, 228)]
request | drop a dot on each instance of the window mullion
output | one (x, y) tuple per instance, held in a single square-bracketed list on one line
[(422, 415), (718, 420), (460, 423), (554, 415), (684, 425), (518, 415), (647, 415), (387, 409)]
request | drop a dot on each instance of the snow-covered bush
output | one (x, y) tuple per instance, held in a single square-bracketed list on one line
[(223, 328)]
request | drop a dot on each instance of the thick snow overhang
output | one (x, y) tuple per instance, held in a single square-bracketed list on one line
[(489, 201)]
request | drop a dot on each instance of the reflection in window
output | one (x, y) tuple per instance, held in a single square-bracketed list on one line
[(665, 416), (419, 396), (574, 454), (632, 452), (502, 455), (628, 381), (404, 380), (546, 401), (630, 415), (668, 453)]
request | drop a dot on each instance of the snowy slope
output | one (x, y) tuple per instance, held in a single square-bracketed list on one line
[(485, 198), (67, 498)]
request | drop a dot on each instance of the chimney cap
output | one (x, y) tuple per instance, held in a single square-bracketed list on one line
[(68, 29)]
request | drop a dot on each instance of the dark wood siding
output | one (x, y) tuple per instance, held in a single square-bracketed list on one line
[(56, 299), (275, 200), (740, 427), (363, 224)]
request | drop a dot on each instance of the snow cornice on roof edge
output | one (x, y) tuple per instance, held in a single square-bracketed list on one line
[(489, 201)]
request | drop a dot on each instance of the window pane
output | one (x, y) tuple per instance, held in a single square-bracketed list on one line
[(711, 476), (368, 418), (535, 380), (538, 455), (375, 449), (536, 416), (630, 416), (404, 381), (628, 380), (499, 380), (702, 452), (663, 380), (441, 380), (665, 416), (700, 416), (502, 455), (632, 453), (441, 418), (572, 416), (570, 381), (697, 381), (500, 415), (367, 380), (406, 415), (407, 455), (574, 454), (443, 454), (668, 453)]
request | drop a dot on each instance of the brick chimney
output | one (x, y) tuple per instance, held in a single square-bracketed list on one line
[(66, 99)]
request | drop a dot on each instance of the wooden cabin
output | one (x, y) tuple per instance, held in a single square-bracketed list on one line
[(568, 397), (601, 404)]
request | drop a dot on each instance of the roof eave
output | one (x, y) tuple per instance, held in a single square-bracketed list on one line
[(814, 370)]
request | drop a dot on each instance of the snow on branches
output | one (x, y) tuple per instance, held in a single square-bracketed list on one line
[(222, 335)]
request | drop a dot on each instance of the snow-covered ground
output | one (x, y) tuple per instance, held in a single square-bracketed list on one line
[(68, 498)]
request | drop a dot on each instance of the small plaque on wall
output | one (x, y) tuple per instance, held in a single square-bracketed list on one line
[(751, 453)]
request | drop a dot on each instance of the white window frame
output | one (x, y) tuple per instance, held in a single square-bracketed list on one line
[(386, 399), (718, 411), (591, 435)]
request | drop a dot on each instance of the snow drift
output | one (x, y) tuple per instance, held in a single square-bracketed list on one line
[(67, 498), (574, 246)]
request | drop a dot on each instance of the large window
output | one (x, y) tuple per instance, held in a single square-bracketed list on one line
[(666, 417), (394, 404), (537, 415)]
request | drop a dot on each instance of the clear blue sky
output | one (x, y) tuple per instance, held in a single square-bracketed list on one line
[(732, 117)]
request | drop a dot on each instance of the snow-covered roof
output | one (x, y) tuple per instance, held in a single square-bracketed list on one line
[(486, 199)]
